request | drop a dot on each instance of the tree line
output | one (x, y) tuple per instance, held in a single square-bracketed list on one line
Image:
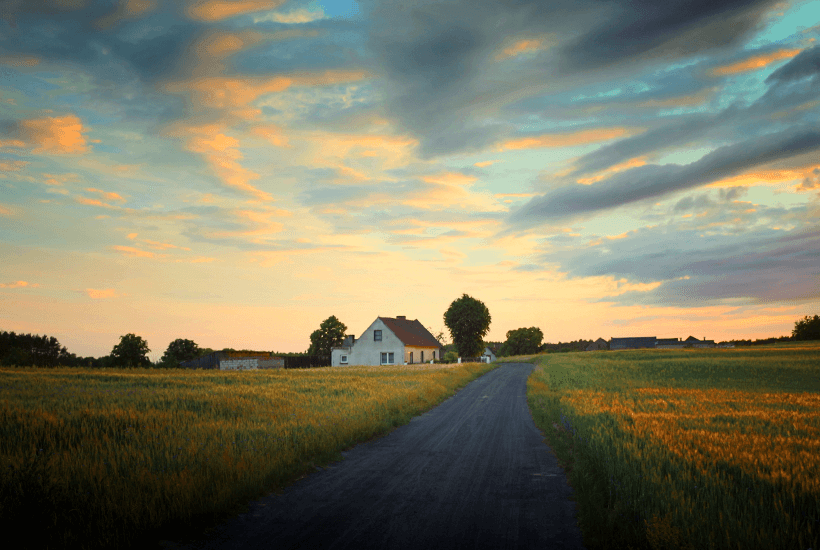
[(467, 319)]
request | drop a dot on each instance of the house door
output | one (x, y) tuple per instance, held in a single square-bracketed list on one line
[(411, 357), (422, 355)]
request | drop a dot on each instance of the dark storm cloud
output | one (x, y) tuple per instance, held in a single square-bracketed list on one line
[(439, 57), (653, 180), (675, 28), (696, 269), (806, 63)]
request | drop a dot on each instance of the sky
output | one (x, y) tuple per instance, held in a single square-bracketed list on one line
[(236, 172)]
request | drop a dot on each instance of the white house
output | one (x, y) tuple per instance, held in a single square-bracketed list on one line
[(388, 341), (488, 356)]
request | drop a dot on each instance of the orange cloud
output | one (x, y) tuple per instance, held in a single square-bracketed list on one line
[(53, 134), (222, 153), (485, 163), (755, 62), (126, 9), (107, 195), (450, 178), (221, 92), (768, 176), (626, 165), (271, 133), (582, 137), (520, 47), (214, 10), (19, 60), (163, 246), (131, 251), (94, 202), (100, 294), (19, 284), (6, 211), (13, 165)]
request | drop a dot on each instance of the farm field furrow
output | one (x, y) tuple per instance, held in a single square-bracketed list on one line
[(687, 448), (105, 457)]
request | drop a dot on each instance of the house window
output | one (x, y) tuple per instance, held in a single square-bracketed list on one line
[(387, 358), (377, 336), (343, 360), (411, 357)]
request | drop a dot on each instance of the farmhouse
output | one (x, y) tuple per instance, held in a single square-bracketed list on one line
[(635, 342), (488, 356), (388, 341)]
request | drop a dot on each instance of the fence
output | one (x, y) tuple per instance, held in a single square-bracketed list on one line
[(306, 361)]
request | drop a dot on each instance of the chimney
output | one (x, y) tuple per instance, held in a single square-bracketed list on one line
[(403, 317), (349, 340)]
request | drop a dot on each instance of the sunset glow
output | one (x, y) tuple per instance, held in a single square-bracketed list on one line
[(235, 172)]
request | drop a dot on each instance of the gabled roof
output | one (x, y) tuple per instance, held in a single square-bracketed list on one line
[(411, 333)]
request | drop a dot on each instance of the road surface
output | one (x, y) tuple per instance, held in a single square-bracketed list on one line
[(472, 473)]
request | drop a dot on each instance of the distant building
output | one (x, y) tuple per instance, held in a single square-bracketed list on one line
[(226, 360), (693, 342), (638, 342), (488, 356), (669, 343), (388, 341), (597, 345)]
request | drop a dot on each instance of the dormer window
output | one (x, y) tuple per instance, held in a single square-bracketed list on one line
[(377, 336)]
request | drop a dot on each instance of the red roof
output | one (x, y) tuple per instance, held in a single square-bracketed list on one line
[(411, 333)]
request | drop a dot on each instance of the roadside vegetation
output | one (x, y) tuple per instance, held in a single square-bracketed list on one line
[(108, 458), (690, 449)]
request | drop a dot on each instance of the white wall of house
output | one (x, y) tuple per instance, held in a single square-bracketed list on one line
[(367, 351), (337, 354), (420, 354)]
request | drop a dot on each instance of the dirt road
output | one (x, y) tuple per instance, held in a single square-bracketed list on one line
[(472, 473)]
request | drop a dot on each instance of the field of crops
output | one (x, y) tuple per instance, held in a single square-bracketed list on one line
[(100, 458), (712, 448)]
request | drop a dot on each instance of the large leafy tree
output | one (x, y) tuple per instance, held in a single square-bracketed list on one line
[(807, 328), (178, 351), (468, 320), (522, 341), (329, 334), (132, 351)]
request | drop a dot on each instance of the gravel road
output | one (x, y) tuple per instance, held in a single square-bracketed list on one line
[(472, 473)]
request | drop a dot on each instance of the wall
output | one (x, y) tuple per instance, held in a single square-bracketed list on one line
[(274, 363), (428, 354), (336, 356), (367, 352), (239, 363)]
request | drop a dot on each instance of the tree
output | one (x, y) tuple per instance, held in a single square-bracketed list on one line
[(330, 333), (468, 320), (807, 328), (132, 351), (522, 341), (178, 351)]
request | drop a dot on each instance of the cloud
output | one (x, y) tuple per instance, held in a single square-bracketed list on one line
[(135, 252), (19, 284), (215, 10), (656, 180), (100, 294), (6, 210), (126, 9), (13, 165), (520, 47), (570, 139), (108, 195), (755, 62), (298, 16), (807, 63), (60, 135)]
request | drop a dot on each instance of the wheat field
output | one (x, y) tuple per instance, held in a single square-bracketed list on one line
[(688, 448), (104, 457)]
